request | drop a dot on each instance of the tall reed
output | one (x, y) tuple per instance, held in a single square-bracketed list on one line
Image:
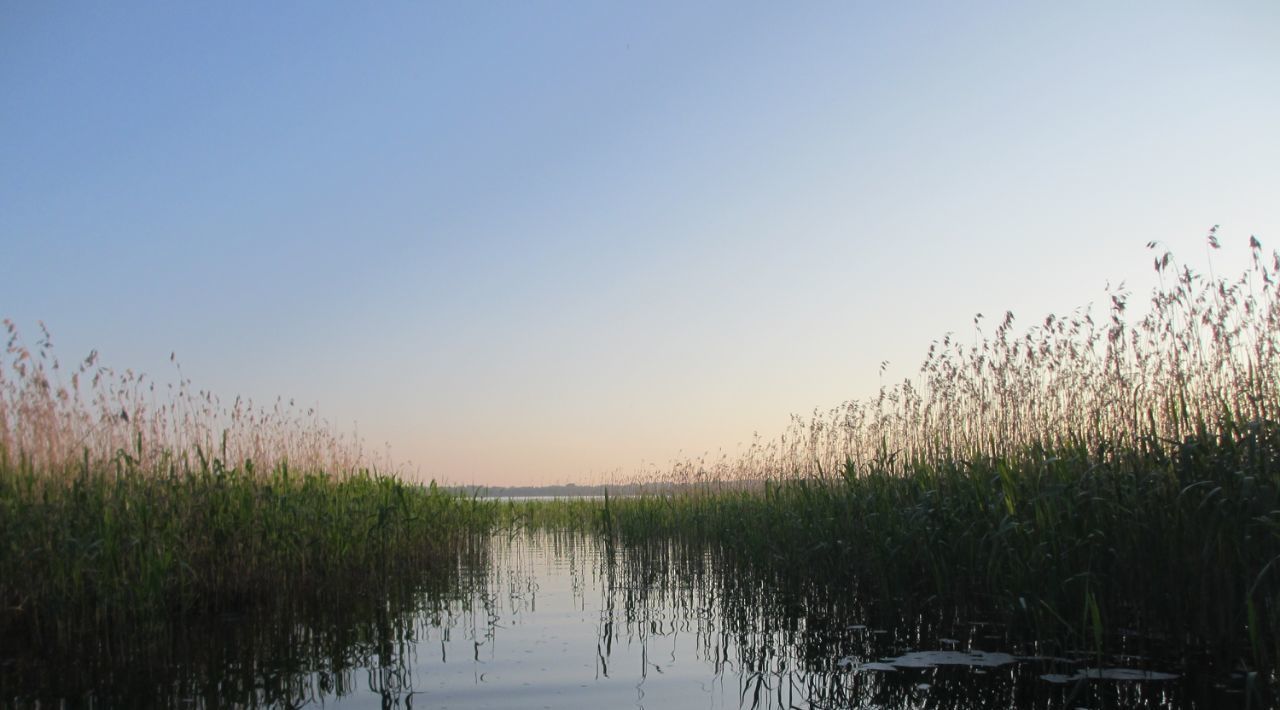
[(124, 504), (1203, 360), (1078, 478), (57, 421)]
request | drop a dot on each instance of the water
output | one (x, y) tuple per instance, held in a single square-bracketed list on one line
[(560, 621)]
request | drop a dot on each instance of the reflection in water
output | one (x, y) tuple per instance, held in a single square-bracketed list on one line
[(560, 620), (773, 644), (298, 651)]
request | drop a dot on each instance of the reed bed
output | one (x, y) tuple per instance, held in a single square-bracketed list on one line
[(1086, 481), (1083, 480), (99, 552), (562, 514), (124, 505), (1204, 359), (54, 419), (300, 649), (1069, 548), (791, 640)]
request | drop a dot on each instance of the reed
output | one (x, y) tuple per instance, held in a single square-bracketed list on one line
[(1179, 549), (1204, 359), (1084, 480), (300, 647), (122, 507), (58, 421), (564, 514), (101, 553), (1079, 479)]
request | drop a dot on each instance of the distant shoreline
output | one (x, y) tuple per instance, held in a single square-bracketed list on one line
[(573, 490)]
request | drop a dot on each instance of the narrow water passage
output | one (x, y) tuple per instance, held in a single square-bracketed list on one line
[(558, 620), (551, 629), (561, 622)]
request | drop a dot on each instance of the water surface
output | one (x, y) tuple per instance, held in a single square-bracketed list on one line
[(546, 620)]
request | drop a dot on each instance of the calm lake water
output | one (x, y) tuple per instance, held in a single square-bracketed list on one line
[(544, 620)]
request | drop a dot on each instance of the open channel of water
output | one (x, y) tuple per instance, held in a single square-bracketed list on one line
[(546, 620)]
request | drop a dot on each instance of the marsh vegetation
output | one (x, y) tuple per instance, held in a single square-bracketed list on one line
[(1097, 491), (1088, 483)]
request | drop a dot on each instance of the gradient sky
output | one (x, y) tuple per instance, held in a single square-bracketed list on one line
[(543, 242)]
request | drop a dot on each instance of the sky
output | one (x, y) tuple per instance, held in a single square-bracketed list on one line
[(537, 242)]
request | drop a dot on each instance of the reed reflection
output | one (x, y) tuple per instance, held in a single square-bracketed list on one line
[(787, 643), (573, 620), (296, 651)]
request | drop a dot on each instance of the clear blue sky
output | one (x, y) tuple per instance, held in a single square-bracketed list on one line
[(535, 242)]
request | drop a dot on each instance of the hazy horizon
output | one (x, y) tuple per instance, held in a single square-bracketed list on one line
[(562, 242)]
